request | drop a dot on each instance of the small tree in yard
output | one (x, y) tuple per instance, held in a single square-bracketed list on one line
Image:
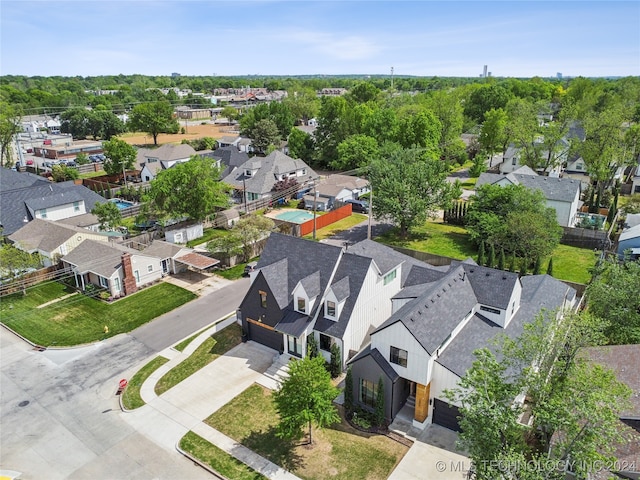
[(108, 215), (348, 391), (379, 413), (312, 346), (491, 260), (251, 229), (335, 366), (305, 398), (550, 267), (228, 245), (537, 269), (481, 254), (501, 260)]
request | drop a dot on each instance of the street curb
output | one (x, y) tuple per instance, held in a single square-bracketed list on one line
[(199, 462)]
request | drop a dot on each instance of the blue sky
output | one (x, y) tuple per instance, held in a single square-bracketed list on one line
[(514, 38)]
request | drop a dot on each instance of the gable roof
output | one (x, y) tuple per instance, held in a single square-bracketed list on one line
[(345, 181), (539, 292), (100, 258), (170, 152), (22, 192), (560, 189), (276, 163), (45, 235), (492, 287), (162, 249), (230, 158), (630, 233), (379, 359)]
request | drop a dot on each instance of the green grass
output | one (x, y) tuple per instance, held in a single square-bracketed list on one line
[(436, 238), (183, 344), (337, 452), (217, 459), (208, 234), (80, 319), (214, 346), (339, 226), (569, 263), (131, 398), (235, 272), (99, 173), (469, 183)]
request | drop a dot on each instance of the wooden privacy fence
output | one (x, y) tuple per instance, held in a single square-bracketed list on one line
[(326, 219)]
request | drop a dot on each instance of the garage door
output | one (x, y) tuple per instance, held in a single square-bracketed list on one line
[(446, 415), (265, 336)]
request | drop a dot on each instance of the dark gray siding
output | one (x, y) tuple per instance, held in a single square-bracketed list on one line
[(367, 368), (251, 307)]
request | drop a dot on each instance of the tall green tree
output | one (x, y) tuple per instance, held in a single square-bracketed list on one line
[(301, 145), (153, 118), (492, 134), (120, 156), (14, 262), (410, 186), (356, 151), (306, 398), (108, 214), (9, 128), (252, 229), (264, 134), (190, 189), (573, 405), (332, 129), (62, 173), (613, 297), (447, 108)]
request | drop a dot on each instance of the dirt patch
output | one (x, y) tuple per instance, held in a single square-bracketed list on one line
[(194, 132)]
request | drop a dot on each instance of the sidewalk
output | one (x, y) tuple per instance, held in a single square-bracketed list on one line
[(166, 419)]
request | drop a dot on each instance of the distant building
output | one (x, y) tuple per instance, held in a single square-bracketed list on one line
[(175, 74)]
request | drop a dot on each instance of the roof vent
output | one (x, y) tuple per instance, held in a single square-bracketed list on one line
[(432, 301), (487, 274), (438, 295), (504, 277), (419, 312), (470, 270)]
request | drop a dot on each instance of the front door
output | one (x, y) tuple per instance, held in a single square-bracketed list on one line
[(165, 265), (294, 346)]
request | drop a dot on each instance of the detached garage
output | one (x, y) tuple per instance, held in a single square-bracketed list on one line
[(446, 415)]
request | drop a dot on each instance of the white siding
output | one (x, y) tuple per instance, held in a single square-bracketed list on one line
[(372, 307), (418, 360), (565, 211), (141, 264), (442, 379), (75, 240), (60, 212)]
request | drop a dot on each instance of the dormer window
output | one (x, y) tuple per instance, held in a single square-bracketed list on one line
[(247, 173), (389, 277), (331, 309), (302, 305)]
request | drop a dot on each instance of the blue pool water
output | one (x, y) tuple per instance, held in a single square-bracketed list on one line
[(122, 204)]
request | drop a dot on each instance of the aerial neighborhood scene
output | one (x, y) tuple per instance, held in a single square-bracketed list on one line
[(320, 240)]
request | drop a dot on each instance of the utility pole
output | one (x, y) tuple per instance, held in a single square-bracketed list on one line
[(391, 78), (244, 194), (315, 204), (370, 209)]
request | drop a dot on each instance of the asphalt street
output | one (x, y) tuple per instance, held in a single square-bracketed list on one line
[(60, 417)]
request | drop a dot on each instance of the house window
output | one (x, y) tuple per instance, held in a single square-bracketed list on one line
[(495, 311), (389, 277), (247, 173), (76, 206), (325, 342), (136, 273), (43, 213), (104, 282), (398, 356), (368, 392), (514, 161), (152, 160), (304, 171), (149, 268), (302, 303), (263, 298), (116, 284), (578, 166), (513, 307), (331, 309)]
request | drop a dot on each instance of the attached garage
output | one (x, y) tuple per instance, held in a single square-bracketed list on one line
[(446, 415), (265, 335)]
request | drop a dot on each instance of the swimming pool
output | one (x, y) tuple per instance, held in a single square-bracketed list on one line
[(122, 204), (295, 216)]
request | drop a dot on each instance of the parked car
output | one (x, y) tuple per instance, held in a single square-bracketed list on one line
[(71, 163), (29, 162), (358, 206)]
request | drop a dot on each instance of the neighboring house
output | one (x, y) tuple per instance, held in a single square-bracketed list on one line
[(183, 232), (176, 259), (119, 269), (302, 288), (229, 159), (151, 161), (427, 343), (69, 150), (512, 159), (87, 220), (52, 240), (624, 361), (562, 194), (25, 196), (337, 188), (228, 141), (258, 175), (629, 242), (635, 182)]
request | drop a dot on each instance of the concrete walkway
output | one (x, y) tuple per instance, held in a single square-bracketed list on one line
[(167, 418)]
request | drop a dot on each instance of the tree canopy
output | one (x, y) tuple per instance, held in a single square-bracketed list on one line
[(191, 189), (9, 127), (409, 187), (306, 398), (513, 218), (120, 156), (154, 118), (572, 405), (108, 214)]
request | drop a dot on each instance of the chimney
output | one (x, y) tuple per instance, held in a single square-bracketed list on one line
[(129, 281)]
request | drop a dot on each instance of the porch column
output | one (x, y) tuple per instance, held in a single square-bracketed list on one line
[(422, 402)]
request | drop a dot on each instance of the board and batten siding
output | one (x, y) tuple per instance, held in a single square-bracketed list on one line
[(442, 380), (418, 360), (371, 309)]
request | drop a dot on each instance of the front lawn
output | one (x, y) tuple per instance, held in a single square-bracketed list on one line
[(337, 452), (569, 263), (223, 463), (214, 346), (80, 319)]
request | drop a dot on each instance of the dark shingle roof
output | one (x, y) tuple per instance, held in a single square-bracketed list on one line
[(293, 323), (352, 269), (311, 284), (18, 190), (275, 274), (379, 359), (560, 189), (432, 316), (341, 289), (230, 158), (492, 287), (539, 292)]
